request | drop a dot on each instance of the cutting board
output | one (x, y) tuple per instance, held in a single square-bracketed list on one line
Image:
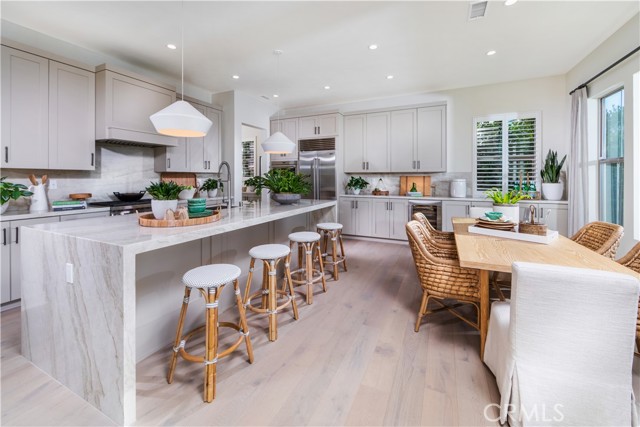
[(423, 184), (180, 178)]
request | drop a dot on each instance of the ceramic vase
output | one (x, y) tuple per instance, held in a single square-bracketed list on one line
[(212, 193), (159, 207), (552, 191)]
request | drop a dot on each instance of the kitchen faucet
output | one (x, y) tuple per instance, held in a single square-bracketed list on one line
[(227, 181)]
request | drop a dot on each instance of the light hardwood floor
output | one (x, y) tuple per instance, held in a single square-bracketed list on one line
[(351, 359)]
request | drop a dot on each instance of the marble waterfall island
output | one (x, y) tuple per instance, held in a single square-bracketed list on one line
[(100, 294)]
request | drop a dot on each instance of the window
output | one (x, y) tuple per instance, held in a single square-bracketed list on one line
[(611, 157), (506, 151)]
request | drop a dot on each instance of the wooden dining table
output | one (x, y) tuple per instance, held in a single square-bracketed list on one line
[(487, 254)]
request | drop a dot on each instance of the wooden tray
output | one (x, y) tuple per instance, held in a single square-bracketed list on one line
[(148, 220)]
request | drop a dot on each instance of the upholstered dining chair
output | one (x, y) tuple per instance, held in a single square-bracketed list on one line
[(601, 237), (632, 261), (562, 348), (441, 276)]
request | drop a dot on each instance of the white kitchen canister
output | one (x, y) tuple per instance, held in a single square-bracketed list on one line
[(458, 188)]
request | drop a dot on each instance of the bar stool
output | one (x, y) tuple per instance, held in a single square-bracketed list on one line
[(332, 230), (271, 256), (210, 280), (307, 275)]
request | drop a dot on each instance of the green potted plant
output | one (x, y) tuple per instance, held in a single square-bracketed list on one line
[(357, 183), (211, 187), (165, 196), (552, 188), (507, 202), (9, 191), (285, 186), (254, 184)]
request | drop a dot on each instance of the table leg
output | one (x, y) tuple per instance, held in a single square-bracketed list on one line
[(484, 309)]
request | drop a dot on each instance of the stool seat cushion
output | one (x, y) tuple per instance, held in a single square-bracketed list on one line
[(304, 237), (329, 226), (209, 276), (269, 251)]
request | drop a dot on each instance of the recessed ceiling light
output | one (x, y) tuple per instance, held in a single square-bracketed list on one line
[(491, 53), (275, 95), (172, 46), (235, 76), (373, 46), (327, 87), (510, 2), (389, 77)]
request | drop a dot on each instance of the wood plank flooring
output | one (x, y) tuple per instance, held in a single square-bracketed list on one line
[(351, 359)]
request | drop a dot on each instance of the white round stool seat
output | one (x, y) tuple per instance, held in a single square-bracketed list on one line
[(304, 237), (269, 251), (329, 226), (209, 276)]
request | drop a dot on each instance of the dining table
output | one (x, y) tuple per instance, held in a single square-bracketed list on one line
[(488, 254)]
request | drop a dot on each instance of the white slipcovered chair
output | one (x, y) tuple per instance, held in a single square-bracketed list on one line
[(562, 348)]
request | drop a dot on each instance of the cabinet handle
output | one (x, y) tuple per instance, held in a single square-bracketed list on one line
[(468, 209), (92, 158), (413, 164), (204, 162), (362, 165), (418, 164), (6, 154), (356, 204), (4, 237), (390, 206), (17, 234)]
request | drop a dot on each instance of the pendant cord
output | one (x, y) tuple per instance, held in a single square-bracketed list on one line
[(182, 48), (278, 52)]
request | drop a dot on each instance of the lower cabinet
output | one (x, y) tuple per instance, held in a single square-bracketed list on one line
[(556, 216), (355, 216), (458, 208), (389, 218)]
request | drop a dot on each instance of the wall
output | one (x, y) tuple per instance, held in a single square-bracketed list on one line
[(619, 44)]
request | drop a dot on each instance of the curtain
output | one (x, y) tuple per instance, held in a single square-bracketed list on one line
[(578, 162)]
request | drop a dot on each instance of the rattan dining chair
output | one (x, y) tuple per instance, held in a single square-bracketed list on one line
[(441, 277), (632, 261), (601, 237), (440, 236)]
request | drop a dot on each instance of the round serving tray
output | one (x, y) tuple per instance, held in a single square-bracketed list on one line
[(148, 220)]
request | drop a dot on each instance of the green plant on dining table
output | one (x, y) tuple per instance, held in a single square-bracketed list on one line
[(164, 190), (510, 197)]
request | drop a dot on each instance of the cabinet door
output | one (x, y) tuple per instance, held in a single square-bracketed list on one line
[(363, 217), (15, 251), (346, 207), (558, 218), (403, 141), (25, 110), (307, 127), (212, 142), (72, 106), (398, 219), (327, 125), (5, 290), (288, 127), (453, 210), (354, 137), (74, 217), (381, 211), (377, 142), (431, 148), (175, 159)]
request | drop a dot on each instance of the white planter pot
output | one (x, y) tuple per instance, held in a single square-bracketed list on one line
[(511, 212), (159, 207), (355, 191), (212, 193), (552, 191), (4, 208), (187, 194)]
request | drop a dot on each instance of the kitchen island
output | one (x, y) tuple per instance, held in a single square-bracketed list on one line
[(100, 294)]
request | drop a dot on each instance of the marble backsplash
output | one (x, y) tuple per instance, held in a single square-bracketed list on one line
[(118, 168), (439, 182)]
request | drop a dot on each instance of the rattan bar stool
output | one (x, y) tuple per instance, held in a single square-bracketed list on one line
[(333, 231), (307, 242), (271, 256), (210, 280)]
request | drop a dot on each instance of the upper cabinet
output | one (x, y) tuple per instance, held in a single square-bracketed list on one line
[(48, 111), (408, 140), (318, 126), (289, 127), (124, 102)]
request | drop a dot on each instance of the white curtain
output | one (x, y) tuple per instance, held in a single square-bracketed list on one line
[(578, 162)]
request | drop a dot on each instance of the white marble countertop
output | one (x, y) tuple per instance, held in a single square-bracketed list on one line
[(125, 231), (18, 214), (447, 198)]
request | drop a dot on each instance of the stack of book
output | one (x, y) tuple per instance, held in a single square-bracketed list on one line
[(68, 205)]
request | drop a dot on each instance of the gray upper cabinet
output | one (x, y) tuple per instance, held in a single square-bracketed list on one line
[(431, 147), (48, 111), (318, 126)]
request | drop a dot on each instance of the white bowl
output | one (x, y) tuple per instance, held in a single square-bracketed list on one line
[(187, 194)]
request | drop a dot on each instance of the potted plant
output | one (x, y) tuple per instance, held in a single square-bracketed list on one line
[(211, 187), (507, 202), (254, 184), (9, 190), (165, 196), (285, 186), (552, 188), (187, 192), (357, 183)]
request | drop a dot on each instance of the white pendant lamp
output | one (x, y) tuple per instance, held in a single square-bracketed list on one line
[(278, 143), (180, 118)]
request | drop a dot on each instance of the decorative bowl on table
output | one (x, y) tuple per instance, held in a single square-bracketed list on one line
[(414, 193), (187, 194), (196, 205), (493, 216)]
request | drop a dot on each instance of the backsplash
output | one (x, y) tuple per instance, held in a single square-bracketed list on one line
[(439, 182)]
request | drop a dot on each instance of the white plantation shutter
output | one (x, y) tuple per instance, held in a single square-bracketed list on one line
[(505, 145)]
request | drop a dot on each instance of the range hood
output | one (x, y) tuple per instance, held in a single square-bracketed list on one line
[(124, 102)]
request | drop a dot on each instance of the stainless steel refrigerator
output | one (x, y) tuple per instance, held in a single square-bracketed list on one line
[(317, 160)]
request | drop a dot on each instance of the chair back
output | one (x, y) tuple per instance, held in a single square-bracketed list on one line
[(632, 260), (601, 237), (572, 338)]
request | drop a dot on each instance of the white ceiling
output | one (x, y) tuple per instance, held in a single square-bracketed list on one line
[(427, 46)]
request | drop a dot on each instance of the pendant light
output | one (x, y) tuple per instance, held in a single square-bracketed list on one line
[(181, 119), (278, 143)]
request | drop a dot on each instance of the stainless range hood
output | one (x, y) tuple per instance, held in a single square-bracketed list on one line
[(124, 102)]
